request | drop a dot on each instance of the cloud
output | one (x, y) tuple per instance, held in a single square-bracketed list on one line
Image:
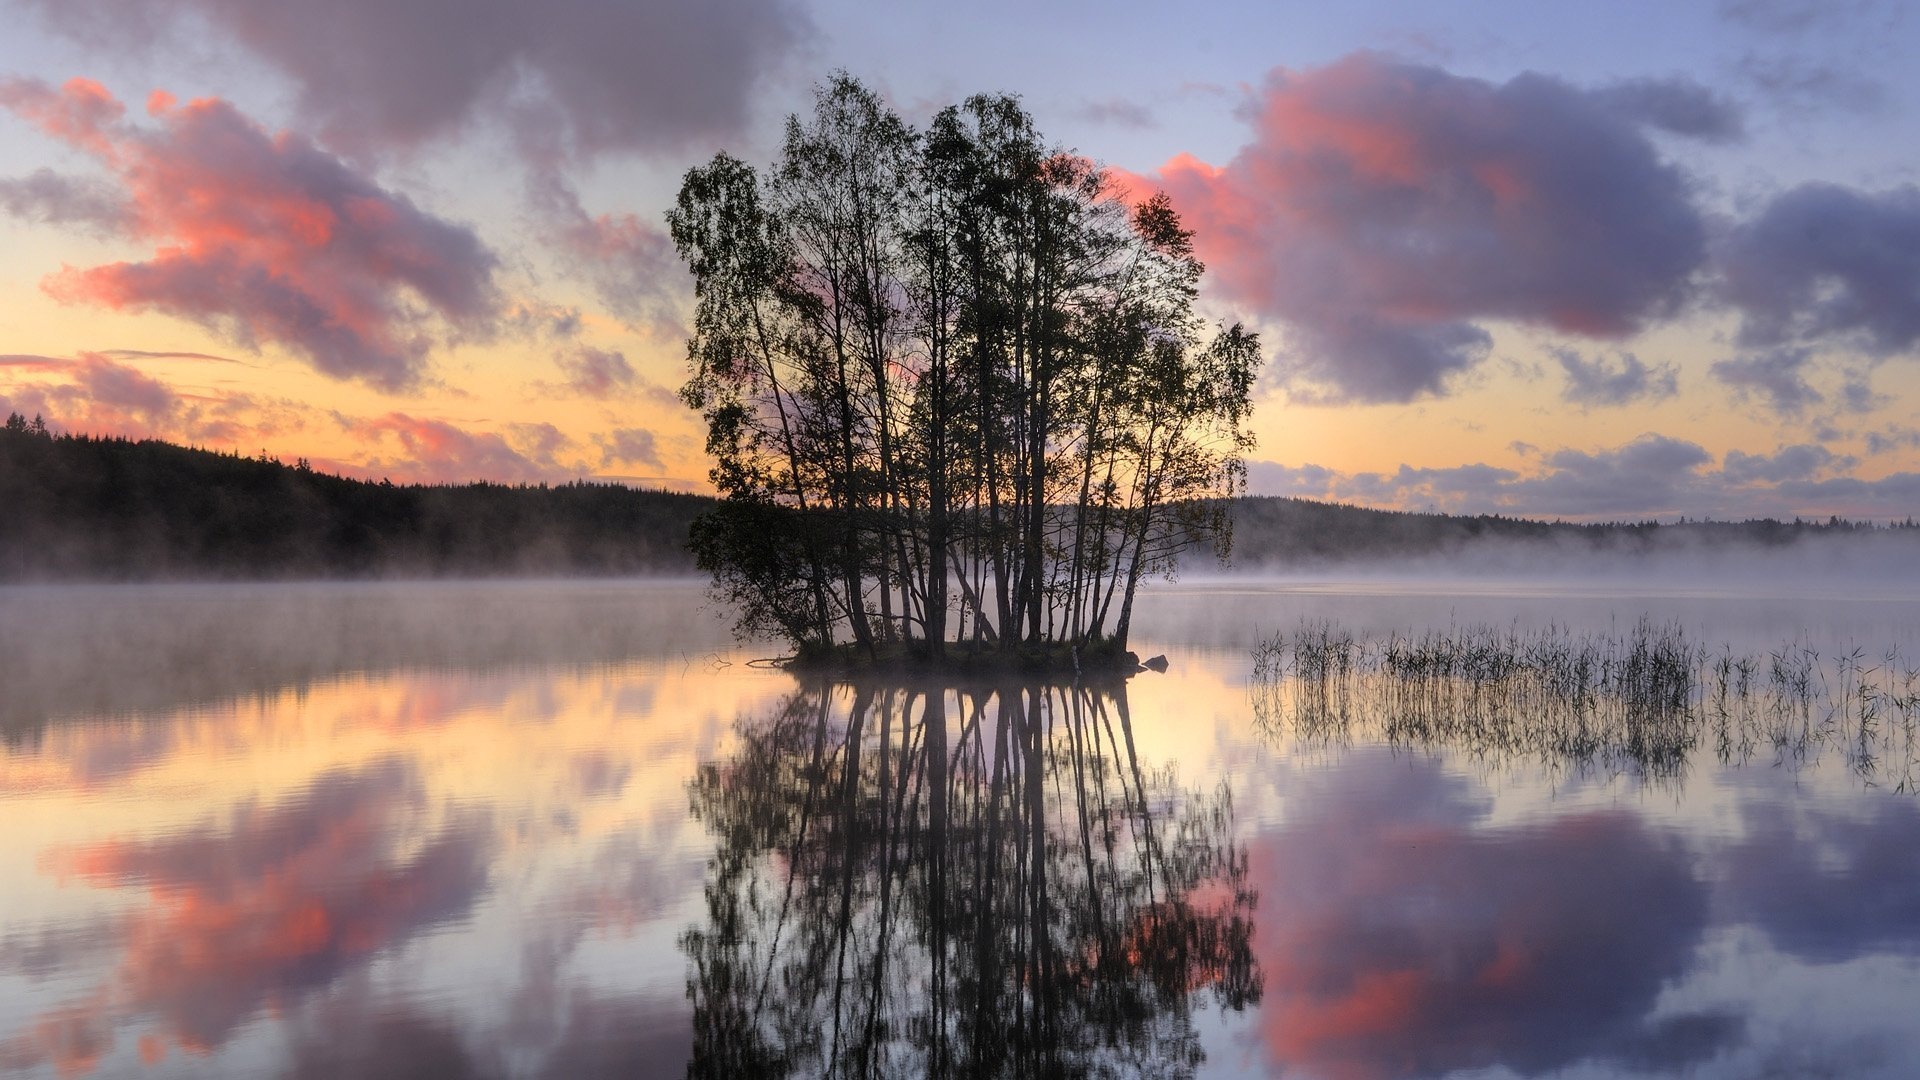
[(1895, 494), (596, 373), (1799, 85), (633, 446), (1792, 18), (437, 452), (542, 440), (1798, 462), (1824, 264), (33, 362), (1892, 438), (169, 354), (1117, 112), (1298, 481), (631, 264), (553, 322), (381, 1040), (603, 375), (95, 393), (1678, 107), (1651, 476), (275, 902), (1597, 383), (598, 75), (266, 238), (1775, 376), (1653, 473), (1825, 886), (46, 197), (1385, 208), (99, 394), (118, 386), (1401, 936)]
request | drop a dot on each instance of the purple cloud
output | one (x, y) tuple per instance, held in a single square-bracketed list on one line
[(1385, 209), (600, 75), (1798, 462), (1626, 379), (1776, 376), (632, 446), (49, 198), (1828, 265), (595, 373), (1652, 476), (1678, 107), (1118, 112)]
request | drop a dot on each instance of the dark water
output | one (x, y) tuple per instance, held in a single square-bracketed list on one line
[(567, 830)]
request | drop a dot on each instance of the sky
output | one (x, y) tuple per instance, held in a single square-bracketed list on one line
[(1581, 261)]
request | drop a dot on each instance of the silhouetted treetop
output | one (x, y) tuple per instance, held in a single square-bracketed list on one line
[(953, 383)]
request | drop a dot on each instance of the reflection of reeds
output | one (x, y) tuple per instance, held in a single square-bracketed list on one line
[(1643, 701)]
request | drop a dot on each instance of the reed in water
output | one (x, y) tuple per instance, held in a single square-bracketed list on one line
[(1642, 701)]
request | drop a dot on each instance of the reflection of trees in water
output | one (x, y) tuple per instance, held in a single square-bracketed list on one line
[(934, 883)]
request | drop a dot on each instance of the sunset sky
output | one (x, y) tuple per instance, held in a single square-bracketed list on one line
[(1562, 260)]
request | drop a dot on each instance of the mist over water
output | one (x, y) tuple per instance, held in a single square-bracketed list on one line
[(1868, 562), (551, 829)]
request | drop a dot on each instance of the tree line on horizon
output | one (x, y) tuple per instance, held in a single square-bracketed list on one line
[(92, 507), (82, 507), (953, 382)]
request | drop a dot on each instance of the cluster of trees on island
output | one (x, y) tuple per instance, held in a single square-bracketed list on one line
[(953, 383)]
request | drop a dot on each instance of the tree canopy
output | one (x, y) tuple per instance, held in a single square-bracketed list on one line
[(953, 381)]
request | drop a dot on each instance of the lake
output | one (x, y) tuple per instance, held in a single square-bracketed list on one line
[(570, 829)]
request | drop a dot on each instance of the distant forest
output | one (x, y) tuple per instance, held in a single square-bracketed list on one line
[(1275, 533), (80, 507)]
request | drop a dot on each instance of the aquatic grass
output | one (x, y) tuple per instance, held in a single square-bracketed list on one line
[(1643, 701)]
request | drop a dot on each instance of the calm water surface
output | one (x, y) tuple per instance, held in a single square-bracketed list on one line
[(569, 830)]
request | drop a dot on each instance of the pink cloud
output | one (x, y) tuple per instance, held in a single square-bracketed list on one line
[(438, 452), (267, 238), (630, 263), (1384, 209), (255, 911), (97, 394)]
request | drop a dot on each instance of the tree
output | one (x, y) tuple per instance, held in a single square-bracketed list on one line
[(953, 383)]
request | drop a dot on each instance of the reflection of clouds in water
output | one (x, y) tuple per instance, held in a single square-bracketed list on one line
[(1827, 885), (584, 1035), (274, 902), (250, 897), (1851, 1020), (1399, 939), (382, 1040), (598, 771)]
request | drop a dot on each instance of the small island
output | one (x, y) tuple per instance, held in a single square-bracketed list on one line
[(958, 396)]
